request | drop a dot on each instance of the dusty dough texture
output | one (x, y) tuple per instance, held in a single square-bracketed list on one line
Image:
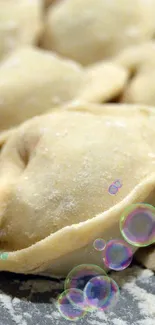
[(55, 171), (88, 31), (32, 81), (140, 61), (20, 24), (50, 2)]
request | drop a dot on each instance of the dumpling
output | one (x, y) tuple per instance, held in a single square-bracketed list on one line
[(20, 24), (88, 31), (140, 60), (146, 256), (32, 81), (55, 171), (50, 2)]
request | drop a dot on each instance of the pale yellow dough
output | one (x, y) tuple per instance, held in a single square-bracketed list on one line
[(50, 2), (88, 31), (146, 256), (140, 60), (21, 23), (55, 171), (32, 81)]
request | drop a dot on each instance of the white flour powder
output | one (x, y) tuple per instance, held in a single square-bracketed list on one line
[(133, 282)]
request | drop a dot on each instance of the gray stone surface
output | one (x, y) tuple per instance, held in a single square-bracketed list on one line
[(29, 300)]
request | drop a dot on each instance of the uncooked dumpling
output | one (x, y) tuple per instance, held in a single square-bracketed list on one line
[(32, 81), (20, 24), (140, 60), (50, 2), (55, 171), (88, 31)]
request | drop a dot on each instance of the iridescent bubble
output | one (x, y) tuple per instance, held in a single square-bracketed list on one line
[(112, 189), (81, 274), (68, 310), (114, 295), (76, 297), (117, 183), (117, 255), (101, 292), (99, 244), (137, 224), (4, 256)]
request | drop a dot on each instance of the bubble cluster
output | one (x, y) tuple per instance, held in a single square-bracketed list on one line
[(81, 274), (69, 310), (137, 224), (114, 187), (87, 288), (99, 244), (117, 255)]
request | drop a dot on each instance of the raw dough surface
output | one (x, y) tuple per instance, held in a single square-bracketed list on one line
[(32, 81), (55, 171), (88, 31), (140, 60), (20, 24)]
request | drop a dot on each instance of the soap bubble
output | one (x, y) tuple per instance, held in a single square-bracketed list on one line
[(76, 297), (81, 274), (112, 189), (101, 293), (117, 183), (68, 310), (117, 255), (99, 244), (4, 256), (137, 224)]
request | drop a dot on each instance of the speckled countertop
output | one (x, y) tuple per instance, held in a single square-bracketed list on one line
[(29, 300)]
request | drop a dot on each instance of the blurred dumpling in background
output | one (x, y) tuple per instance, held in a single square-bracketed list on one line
[(50, 2), (33, 81), (140, 62), (20, 24), (88, 31)]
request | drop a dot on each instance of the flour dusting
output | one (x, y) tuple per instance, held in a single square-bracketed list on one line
[(35, 301)]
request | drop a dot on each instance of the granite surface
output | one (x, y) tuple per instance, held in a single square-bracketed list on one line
[(29, 300)]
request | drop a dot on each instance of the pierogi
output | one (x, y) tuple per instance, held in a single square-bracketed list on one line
[(140, 61), (89, 31), (21, 23), (32, 81), (55, 171)]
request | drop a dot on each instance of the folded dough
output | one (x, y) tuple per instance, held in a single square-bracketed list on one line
[(140, 60), (146, 256), (50, 2), (55, 171), (20, 24), (88, 31), (32, 81)]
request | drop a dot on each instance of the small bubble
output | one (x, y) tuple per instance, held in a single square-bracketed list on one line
[(112, 189), (99, 244), (117, 183), (4, 256), (117, 255)]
